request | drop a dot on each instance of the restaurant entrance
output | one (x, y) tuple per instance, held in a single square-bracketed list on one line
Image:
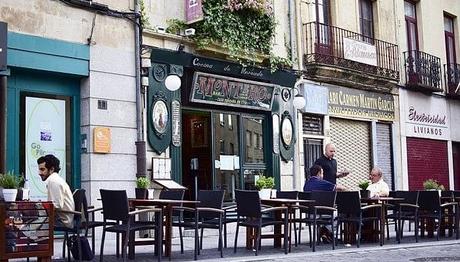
[(218, 151)]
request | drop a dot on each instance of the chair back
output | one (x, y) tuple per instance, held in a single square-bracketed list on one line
[(348, 203), (287, 194), (304, 195), (324, 198), (410, 197), (248, 203), (172, 194), (114, 204), (447, 196), (456, 193), (81, 203), (429, 201), (212, 199), (79, 199)]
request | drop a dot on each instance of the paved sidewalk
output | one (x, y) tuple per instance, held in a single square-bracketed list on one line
[(428, 249)]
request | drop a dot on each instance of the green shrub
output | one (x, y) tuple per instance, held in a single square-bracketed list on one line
[(265, 182), (143, 182), (10, 181)]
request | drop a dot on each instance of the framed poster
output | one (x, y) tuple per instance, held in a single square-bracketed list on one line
[(199, 134), (160, 116)]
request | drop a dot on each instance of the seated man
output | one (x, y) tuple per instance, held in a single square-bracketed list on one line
[(378, 188), (316, 182), (58, 190)]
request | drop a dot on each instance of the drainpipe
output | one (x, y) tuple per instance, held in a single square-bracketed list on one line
[(292, 38), (141, 158), (3, 95)]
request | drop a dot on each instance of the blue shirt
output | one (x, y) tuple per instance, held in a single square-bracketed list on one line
[(317, 184)]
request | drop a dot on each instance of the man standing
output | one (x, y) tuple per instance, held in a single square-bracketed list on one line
[(378, 188), (58, 190), (329, 165)]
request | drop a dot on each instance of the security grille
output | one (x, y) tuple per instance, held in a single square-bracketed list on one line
[(312, 149), (312, 125), (352, 142), (384, 152)]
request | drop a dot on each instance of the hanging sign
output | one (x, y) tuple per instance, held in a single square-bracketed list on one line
[(228, 91), (193, 11)]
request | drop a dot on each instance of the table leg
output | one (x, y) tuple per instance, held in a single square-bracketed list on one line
[(168, 230), (250, 235), (277, 230)]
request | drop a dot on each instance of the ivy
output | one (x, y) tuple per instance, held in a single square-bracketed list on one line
[(244, 33)]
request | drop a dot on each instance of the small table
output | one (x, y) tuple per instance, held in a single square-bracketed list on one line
[(167, 207)]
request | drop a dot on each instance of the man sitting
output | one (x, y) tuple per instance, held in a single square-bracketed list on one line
[(378, 188)]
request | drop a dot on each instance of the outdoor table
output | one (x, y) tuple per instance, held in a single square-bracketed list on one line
[(277, 236), (167, 207)]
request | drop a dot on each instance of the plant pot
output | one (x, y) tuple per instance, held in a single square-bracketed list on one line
[(9, 195), (142, 193), (364, 193), (265, 193)]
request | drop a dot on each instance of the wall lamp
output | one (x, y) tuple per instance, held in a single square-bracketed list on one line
[(299, 101), (173, 82)]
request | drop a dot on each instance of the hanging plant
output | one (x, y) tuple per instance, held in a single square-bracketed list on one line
[(245, 28)]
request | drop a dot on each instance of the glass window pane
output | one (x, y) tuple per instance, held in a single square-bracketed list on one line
[(226, 145), (409, 9), (448, 24), (254, 140)]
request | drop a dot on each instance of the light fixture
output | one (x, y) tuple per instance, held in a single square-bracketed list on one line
[(172, 82), (299, 101)]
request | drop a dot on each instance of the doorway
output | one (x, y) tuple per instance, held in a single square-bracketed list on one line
[(196, 145)]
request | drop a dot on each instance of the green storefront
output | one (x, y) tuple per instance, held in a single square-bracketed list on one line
[(223, 124), (43, 105)]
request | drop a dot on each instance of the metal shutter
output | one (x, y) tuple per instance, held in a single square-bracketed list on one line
[(426, 158), (352, 142), (312, 124), (384, 152)]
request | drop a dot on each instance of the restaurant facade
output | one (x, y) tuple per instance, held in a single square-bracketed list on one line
[(227, 125)]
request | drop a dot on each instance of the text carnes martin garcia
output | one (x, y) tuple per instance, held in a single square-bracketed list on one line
[(429, 124)]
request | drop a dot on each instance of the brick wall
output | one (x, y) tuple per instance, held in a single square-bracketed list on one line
[(426, 159)]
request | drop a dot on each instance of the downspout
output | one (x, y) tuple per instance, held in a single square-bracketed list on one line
[(292, 38), (141, 158)]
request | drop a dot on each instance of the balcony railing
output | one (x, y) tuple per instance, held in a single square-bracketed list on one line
[(452, 78), (422, 71), (325, 45)]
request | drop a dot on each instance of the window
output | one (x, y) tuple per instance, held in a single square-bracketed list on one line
[(366, 20), (221, 119), (411, 25), (229, 121), (450, 40), (254, 140), (322, 11)]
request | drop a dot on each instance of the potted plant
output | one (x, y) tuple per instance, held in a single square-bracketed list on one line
[(10, 184), (142, 186), (432, 184), (265, 185), (363, 186)]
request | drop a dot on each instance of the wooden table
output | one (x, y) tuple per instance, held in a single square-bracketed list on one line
[(277, 236), (167, 206)]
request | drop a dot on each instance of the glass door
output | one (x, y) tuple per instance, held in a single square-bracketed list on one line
[(226, 153)]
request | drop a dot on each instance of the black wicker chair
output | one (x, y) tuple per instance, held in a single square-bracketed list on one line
[(349, 210), (115, 207), (208, 214), (250, 214), (177, 215), (304, 212), (406, 210), (290, 195)]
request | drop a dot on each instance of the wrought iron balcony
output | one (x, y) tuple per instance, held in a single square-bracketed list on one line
[(331, 46), (422, 71), (452, 77)]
